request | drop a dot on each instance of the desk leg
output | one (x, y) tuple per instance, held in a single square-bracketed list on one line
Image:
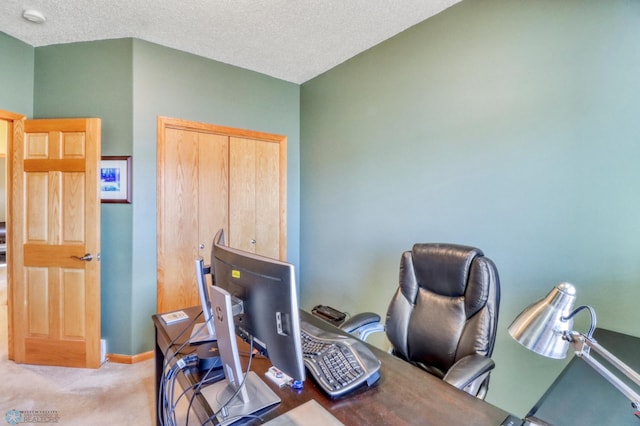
[(159, 373)]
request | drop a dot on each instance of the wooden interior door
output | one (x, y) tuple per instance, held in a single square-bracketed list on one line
[(212, 177), (55, 244)]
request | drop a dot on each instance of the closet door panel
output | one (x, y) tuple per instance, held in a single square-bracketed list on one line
[(213, 199), (242, 194), (177, 246), (267, 201)]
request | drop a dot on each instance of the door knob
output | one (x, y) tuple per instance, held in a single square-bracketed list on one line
[(253, 241), (88, 257), (201, 246)]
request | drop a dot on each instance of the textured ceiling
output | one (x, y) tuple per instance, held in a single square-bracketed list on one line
[(293, 40)]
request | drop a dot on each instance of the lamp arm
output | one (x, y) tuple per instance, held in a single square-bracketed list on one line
[(583, 344)]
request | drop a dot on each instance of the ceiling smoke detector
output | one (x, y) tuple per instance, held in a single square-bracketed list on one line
[(34, 16)]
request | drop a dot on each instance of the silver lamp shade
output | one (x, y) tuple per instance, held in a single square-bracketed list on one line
[(540, 327)]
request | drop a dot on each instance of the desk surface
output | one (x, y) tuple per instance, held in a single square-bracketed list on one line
[(580, 396), (403, 395)]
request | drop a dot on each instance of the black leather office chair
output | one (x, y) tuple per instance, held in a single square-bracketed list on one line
[(444, 315)]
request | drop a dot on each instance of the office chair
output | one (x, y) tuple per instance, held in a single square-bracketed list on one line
[(443, 317)]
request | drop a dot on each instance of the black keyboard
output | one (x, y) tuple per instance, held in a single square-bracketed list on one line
[(339, 364)]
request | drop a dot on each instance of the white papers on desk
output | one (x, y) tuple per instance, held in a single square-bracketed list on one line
[(308, 414)]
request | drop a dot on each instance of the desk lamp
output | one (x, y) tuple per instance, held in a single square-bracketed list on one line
[(545, 327)]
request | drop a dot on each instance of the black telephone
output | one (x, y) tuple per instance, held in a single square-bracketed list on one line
[(329, 314)]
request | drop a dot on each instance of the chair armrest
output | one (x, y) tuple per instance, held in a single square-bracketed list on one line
[(359, 320), (468, 369), (363, 324)]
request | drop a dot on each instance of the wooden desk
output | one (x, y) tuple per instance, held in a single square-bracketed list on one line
[(404, 394)]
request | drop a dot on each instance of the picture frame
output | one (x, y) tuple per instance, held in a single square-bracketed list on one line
[(115, 179)]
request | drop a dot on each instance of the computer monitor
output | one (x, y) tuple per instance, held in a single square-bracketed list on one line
[(254, 297)]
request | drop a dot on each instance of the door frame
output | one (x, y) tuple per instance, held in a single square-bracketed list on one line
[(15, 128)]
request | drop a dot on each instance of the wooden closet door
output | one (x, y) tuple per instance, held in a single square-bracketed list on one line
[(212, 177), (254, 196), (213, 199), (194, 206)]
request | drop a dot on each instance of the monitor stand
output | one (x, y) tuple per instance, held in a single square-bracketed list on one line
[(236, 396), (260, 396), (203, 331), (200, 334)]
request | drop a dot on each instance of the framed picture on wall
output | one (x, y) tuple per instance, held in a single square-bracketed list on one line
[(115, 179)]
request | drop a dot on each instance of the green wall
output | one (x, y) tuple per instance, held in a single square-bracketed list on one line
[(94, 79), (16, 74), (508, 125)]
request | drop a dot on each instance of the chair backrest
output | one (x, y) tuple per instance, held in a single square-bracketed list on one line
[(446, 306)]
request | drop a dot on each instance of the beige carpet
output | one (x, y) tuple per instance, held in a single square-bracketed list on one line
[(112, 394)]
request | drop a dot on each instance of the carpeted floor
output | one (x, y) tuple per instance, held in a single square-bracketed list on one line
[(112, 394)]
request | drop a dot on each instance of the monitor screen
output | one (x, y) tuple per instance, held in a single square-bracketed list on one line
[(264, 295)]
